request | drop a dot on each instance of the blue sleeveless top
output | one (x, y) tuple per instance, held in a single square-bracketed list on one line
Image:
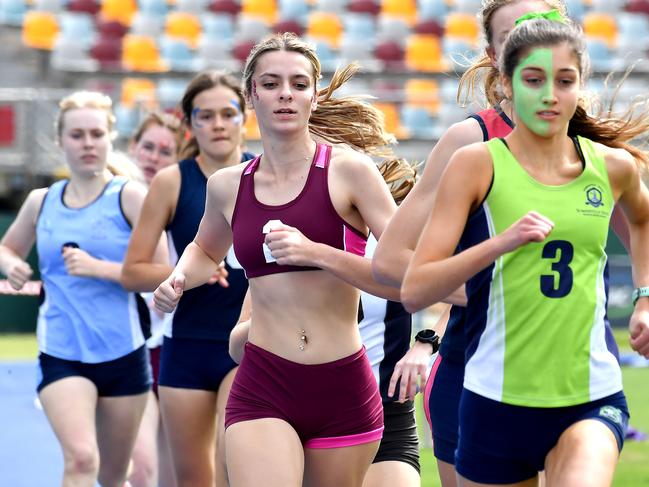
[(83, 318), (208, 311)]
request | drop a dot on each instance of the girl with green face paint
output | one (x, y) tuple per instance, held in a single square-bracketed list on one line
[(541, 389)]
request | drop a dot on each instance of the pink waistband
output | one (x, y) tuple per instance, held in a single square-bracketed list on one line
[(342, 441)]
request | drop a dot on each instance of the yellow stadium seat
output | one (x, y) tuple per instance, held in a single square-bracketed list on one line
[(139, 91), (405, 9), (183, 26), (40, 30), (422, 93), (462, 26), (601, 26), (391, 118), (121, 11), (140, 53), (251, 127), (266, 9), (325, 26), (424, 53)]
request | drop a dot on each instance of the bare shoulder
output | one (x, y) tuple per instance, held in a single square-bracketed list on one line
[(471, 157), (33, 203), (167, 179), (621, 166), (223, 185), (466, 132), (349, 162)]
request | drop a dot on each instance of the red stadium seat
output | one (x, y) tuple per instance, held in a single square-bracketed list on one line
[(364, 7), (91, 7), (289, 26), (225, 7)]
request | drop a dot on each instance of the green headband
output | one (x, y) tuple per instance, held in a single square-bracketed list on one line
[(553, 15)]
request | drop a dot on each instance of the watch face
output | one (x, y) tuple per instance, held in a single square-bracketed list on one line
[(426, 334)]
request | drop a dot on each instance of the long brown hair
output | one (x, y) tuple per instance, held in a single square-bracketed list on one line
[(483, 68), (204, 81), (161, 119), (347, 120), (604, 127)]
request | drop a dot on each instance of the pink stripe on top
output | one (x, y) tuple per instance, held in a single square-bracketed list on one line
[(342, 441), (429, 388)]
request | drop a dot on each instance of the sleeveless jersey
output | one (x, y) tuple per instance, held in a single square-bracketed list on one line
[(311, 212), (208, 311), (83, 318), (494, 123), (536, 316), (385, 328)]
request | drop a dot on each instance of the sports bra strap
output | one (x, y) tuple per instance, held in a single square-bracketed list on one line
[(252, 166), (323, 154)]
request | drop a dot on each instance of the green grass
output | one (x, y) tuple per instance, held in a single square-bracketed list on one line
[(632, 470)]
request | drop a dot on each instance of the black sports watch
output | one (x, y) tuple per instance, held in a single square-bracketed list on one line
[(428, 336)]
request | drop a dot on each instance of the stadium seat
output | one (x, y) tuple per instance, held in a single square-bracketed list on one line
[(147, 25), (417, 122), (601, 26), (403, 9), (576, 9), (391, 28), (324, 26), (108, 53), (391, 117), (458, 51), (183, 26), (424, 53), (359, 26), (169, 92), (120, 10), (296, 10), (432, 10), (242, 48), (462, 26), (633, 35), (111, 28), (611, 7), (218, 25), (78, 26), (230, 7), (391, 54), (328, 58), (265, 9), (195, 7), (70, 55), (140, 53), (54, 6), (138, 91), (423, 93), (126, 120), (467, 6), (40, 30), (213, 53), (638, 6), (371, 7), (289, 25), (91, 7), (250, 28), (153, 8), (251, 127), (602, 57), (351, 49), (12, 12), (178, 54), (337, 7), (429, 27)]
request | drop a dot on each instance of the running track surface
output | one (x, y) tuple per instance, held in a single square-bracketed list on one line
[(29, 453)]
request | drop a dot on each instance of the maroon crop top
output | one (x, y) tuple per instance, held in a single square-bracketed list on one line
[(311, 212)]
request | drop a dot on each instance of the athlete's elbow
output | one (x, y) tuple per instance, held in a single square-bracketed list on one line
[(411, 297), (128, 279), (383, 270)]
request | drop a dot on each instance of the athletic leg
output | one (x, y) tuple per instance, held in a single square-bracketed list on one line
[(462, 482), (221, 474), (342, 467), (585, 456), (70, 405), (118, 422), (391, 474), (264, 452), (145, 451), (189, 417)]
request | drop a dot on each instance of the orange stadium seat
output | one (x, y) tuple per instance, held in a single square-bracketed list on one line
[(325, 26), (140, 53), (404, 9), (601, 26), (391, 114), (462, 26), (120, 10), (423, 93), (138, 91), (424, 53), (266, 9), (251, 127), (40, 30), (183, 26)]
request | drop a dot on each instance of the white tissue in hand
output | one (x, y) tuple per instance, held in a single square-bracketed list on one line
[(269, 227)]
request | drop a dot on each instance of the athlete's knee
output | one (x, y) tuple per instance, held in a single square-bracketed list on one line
[(145, 473), (82, 459)]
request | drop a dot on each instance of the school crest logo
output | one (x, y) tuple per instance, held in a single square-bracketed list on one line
[(611, 413), (594, 196)]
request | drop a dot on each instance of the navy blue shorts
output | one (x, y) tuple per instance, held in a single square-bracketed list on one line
[(190, 363), (442, 403), (503, 444), (124, 376)]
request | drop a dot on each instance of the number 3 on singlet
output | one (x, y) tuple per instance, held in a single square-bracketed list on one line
[(561, 252)]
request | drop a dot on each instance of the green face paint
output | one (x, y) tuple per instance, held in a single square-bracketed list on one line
[(528, 100)]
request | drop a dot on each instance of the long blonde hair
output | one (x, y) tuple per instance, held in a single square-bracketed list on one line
[(483, 68)]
